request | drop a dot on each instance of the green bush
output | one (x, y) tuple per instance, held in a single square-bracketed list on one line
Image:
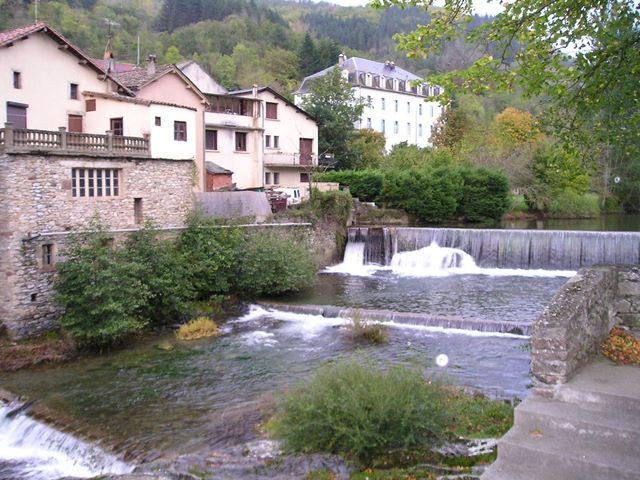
[(333, 204), (430, 194), (164, 274), (274, 263), (362, 412), (210, 252), (569, 204), (100, 290), (485, 194), (363, 184)]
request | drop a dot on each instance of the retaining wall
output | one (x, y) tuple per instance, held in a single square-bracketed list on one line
[(574, 325)]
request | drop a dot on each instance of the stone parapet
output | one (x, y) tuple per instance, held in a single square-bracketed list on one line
[(574, 325)]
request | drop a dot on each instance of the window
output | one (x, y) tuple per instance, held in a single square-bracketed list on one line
[(117, 126), (369, 123), (267, 141), (396, 105), (408, 107), (304, 177), (73, 91), (396, 127), (267, 178), (48, 255), (272, 110), (382, 126), (419, 129), (431, 113), (17, 114), (74, 123), (383, 104), (17, 80), (95, 182), (276, 178), (90, 105), (420, 109), (137, 211), (180, 131), (369, 101), (241, 141), (211, 139), (158, 121), (276, 141)]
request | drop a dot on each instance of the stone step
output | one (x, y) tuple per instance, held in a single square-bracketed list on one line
[(619, 431), (553, 456), (605, 387), (504, 470)]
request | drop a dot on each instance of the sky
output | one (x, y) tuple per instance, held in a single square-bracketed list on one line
[(481, 7)]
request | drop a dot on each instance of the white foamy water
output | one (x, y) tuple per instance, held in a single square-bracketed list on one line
[(260, 337), (310, 326), (31, 450), (430, 261)]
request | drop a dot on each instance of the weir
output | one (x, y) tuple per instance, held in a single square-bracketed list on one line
[(523, 249)]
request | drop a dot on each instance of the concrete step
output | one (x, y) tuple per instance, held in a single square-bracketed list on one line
[(504, 470), (616, 429), (553, 456), (603, 386)]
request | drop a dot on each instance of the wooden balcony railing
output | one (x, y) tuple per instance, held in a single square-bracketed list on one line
[(22, 139)]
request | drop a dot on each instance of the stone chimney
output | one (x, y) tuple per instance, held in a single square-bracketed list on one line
[(254, 91), (110, 63), (341, 58), (151, 64)]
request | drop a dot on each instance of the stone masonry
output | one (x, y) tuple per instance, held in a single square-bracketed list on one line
[(572, 328), (38, 211)]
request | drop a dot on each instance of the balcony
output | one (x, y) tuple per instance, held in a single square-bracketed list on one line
[(14, 140), (290, 160)]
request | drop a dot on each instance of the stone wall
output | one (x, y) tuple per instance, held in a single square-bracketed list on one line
[(573, 327), (38, 209)]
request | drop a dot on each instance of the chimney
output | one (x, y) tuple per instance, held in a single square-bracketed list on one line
[(341, 58), (151, 64), (110, 63), (254, 90)]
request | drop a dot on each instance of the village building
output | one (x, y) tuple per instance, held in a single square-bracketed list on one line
[(76, 144), (396, 105)]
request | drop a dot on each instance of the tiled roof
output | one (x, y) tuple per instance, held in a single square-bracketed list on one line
[(357, 66), (248, 91), (139, 101), (140, 76), (12, 35), (217, 169), (119, 67)]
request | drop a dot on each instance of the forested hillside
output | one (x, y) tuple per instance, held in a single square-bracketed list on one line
[(241, 42)]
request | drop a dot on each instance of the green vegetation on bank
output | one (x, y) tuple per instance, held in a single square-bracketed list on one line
[(365, 413), (433, 193), (109, 292)]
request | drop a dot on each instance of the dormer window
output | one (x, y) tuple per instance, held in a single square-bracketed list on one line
[(367, 79)]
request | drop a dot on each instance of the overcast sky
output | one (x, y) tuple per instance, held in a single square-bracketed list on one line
[(481, 7)]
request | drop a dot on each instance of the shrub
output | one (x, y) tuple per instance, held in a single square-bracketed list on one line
[(209, 251), (100, 290), (569, 204), (478, 416), (360, 328), (163, 273), (485, 194), (274, 263), (360, 411), (363, 184), (622, 347), (333, 204), (200, 327)]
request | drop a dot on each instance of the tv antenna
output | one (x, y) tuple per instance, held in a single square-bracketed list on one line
[(107, 48)]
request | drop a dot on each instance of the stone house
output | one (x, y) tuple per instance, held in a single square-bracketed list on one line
[(59, 169), (395, 104)]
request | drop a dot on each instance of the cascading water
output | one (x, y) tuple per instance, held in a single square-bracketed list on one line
[(31, 450), (433, 260)]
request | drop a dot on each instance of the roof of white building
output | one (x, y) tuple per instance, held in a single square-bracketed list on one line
[(357, 66)]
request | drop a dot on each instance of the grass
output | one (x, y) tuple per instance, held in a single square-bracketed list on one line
[(200, 327), (478, 416), (362, 329)]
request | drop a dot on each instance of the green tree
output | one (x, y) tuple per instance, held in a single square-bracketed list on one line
[(100, 290), (172, 55), (450, 128), (367, 149), (333, 104), (308, 62)]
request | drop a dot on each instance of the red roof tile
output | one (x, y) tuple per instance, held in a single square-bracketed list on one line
[(12, 35)]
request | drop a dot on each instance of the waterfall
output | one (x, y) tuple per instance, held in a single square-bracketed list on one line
[(521, 249), (31, 450)]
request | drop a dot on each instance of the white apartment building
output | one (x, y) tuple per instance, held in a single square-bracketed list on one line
[(394, 105)]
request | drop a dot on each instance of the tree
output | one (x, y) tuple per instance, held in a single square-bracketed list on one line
[(332, 103), (172, 55), (367, 149), (583, 56), (308, 62), (450, 128)]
